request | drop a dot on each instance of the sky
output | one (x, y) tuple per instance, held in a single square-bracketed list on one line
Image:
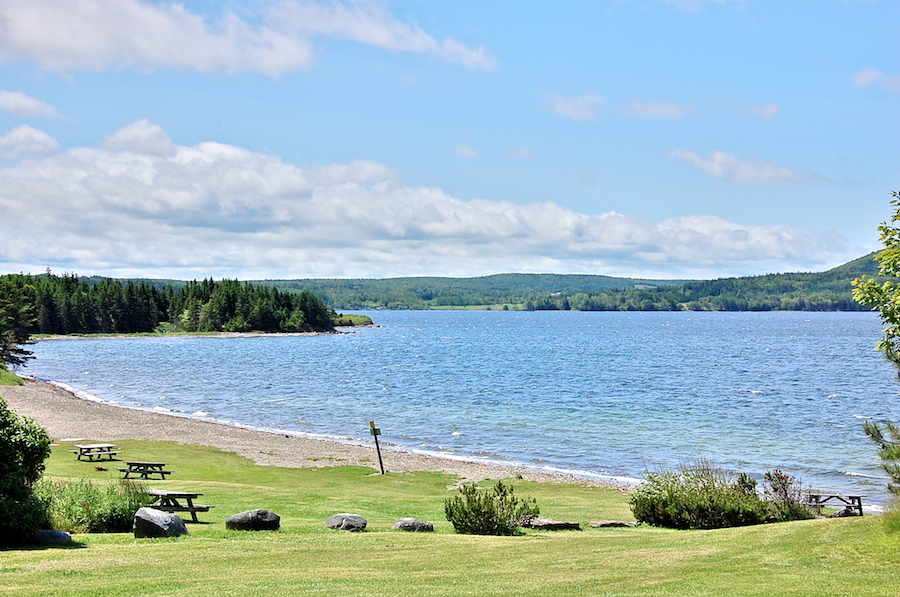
[(258, 139)]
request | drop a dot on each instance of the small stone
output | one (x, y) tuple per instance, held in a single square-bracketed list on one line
[(149, 522), (606, 524), (413, 525), (253, 520), (346, 522), (545, 524), (48, 536)]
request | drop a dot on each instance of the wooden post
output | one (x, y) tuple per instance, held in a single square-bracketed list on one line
[(375, 433)]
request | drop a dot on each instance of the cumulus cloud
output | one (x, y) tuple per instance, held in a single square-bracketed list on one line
[(22, 105), (661, 109), (93, 35), (216, 209), (25, 139), (582, 107), (870, 76), (726, 166)]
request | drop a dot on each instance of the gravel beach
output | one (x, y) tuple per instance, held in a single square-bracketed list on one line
[(66, 416)]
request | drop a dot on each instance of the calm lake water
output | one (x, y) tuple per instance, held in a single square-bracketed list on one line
[(599, 394)]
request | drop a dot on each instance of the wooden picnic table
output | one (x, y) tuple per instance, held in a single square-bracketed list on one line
[(98, 451), (848, 502), (168, 501), (145, 469)]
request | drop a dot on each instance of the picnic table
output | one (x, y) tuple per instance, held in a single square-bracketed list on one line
[(168, 501), (849, 502), (145, 469), (98, 451)]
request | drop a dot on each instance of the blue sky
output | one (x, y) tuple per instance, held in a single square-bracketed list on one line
[(294, 138)]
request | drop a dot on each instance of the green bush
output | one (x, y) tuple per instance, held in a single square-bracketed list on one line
[(81, 506), (23, 448), (784, 496), (495, 511), (701, 497)]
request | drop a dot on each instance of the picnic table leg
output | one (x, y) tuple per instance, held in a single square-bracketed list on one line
[(190, 504)]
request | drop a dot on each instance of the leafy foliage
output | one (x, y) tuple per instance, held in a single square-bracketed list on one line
[(23, 448), (702, 497), (495, 511), (884, 297), (785, 497), (16, 319), (80, 506)]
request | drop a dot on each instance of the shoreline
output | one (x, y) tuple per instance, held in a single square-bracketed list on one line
[(65, 415)]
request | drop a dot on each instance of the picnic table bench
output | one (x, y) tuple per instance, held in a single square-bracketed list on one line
[(98, 451), (168, 501), (145, 469), (848, 502)]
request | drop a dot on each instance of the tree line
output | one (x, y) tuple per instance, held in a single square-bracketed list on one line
[(67, 304)]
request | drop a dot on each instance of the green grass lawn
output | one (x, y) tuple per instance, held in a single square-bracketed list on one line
[(851, 556)]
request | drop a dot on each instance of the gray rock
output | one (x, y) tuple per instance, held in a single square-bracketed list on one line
[(149, 522), (545, 524), (413, 525), (605, 524), (48, 536), (843, 513), (346, 522), (253, 520)]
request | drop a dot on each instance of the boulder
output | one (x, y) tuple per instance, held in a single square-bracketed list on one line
[(605, 524), (48, 536), (413, 525), (253, 520), (545, 524), (848, 511), (149, 522), (346, 522)]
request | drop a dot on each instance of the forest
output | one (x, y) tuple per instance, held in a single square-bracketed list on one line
[(68, 304)]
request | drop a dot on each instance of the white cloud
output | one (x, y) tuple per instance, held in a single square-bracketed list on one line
[(220, 210), (582, 107), (140, 137), (93, 35), (25, 139), (371, 24), (22, 105), (870, 76), (639, 109), (465, 151), (726, 166), (519, 152)]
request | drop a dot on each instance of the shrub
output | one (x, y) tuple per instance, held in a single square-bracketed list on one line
[(23, 448), (701, 497), (495, 511), (784, 495), (80, 506)]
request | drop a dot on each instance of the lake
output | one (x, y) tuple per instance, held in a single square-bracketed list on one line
[(605, 394)]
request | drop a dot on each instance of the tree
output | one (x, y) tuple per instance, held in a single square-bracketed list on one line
[(884, 297), (23, 448), (15, 320)]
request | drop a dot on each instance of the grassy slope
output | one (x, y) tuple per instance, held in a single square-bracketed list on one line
[(823, 557), (8, 378)]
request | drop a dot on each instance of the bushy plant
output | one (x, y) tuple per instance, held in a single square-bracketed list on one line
[(785, 497), (80, 506), (699, 497), (495, 511), (23, 448)]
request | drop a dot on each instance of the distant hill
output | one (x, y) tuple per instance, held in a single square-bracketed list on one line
[(824, 291)]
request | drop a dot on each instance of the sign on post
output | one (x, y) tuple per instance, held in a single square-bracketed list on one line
[(375, 433)]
